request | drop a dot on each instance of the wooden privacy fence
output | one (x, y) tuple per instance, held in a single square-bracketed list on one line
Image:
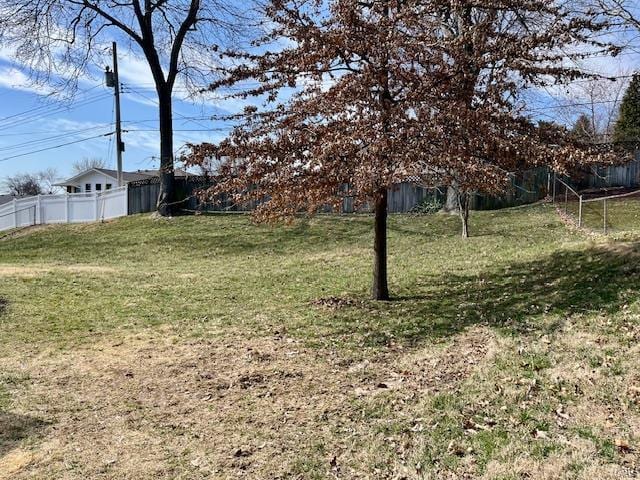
[(627, 176), (526, 187)]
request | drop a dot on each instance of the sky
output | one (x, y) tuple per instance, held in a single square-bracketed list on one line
[(30, 120), (38, 132)]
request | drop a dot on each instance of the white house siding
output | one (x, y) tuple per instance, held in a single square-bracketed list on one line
[(94, 178)]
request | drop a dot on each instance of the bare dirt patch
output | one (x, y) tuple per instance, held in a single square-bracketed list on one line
[(162, 407), (13, 462)]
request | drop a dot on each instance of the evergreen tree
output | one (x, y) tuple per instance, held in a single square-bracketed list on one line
[(583, 129), (627, 127)]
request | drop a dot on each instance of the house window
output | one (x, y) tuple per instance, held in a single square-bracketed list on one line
[(107, 186), (87, 187), (70, 189), (98, 187)]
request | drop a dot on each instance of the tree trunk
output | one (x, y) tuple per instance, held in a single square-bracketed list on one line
[(380, 288), (464, 200), (166, 199), (451, 203)]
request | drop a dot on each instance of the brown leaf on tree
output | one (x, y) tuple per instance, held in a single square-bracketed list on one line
[(385, 92)]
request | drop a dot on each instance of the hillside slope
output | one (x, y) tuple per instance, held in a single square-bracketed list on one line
[(209, 347)]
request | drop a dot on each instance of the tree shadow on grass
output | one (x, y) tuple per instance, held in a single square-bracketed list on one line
[(16, 428), (524, 297)]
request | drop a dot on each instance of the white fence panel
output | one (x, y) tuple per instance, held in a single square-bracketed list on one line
[(7, 217), (67, 208), (53, 209), (25, 212), (82, 208), (112, 203)]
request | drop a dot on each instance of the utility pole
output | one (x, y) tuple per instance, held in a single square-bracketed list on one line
[(111, 79)]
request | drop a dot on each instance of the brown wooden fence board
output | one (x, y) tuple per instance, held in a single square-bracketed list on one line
[(526, 187)]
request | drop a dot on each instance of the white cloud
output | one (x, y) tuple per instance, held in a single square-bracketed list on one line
[(15, 79)]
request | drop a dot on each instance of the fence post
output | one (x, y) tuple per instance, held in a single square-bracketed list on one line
[(605, 217), (566, 199), (553, 198), (15, 214), (66, 208), (126, 199), (580, 212), (96, 207), (38, 216)]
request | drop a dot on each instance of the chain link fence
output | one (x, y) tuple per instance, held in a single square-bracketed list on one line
[(603, 210)]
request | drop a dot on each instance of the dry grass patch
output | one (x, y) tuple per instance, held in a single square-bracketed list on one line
[(509, 356), (159, 407), (9, 270)]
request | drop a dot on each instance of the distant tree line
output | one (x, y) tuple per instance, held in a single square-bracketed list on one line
[(26, 184)]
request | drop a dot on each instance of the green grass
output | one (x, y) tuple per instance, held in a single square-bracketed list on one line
[(623, 215), (205, 273), (543, 291)]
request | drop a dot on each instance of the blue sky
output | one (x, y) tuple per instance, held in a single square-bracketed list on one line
[(31, 121)]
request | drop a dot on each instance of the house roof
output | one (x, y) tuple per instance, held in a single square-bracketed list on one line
[(126, 176), (6, 199)]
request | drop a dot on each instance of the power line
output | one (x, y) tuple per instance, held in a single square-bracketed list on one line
[(569, 105), (43, 107), (158, 103), (31, 118), (47, 139), (55, 146), (217, 129)]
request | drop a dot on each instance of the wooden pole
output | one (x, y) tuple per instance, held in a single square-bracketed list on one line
[(605, 217), (116, 87)]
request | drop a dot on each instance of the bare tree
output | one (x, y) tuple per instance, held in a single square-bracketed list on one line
[(47, 179), (26, 184), (625, 16), (87, 163), (592, 105), (22, 184), (62, 39)]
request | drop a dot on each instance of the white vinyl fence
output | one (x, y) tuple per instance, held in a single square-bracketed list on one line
[(65, 208)]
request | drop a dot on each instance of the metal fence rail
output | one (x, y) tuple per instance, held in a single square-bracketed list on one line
[(23, 217), (612, 212), (565, 197), (595, 209)]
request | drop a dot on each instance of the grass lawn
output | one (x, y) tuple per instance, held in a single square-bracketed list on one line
[(623, 215), (209, 347)]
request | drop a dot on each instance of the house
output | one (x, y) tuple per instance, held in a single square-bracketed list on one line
[(6, 199), (100, 179)]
